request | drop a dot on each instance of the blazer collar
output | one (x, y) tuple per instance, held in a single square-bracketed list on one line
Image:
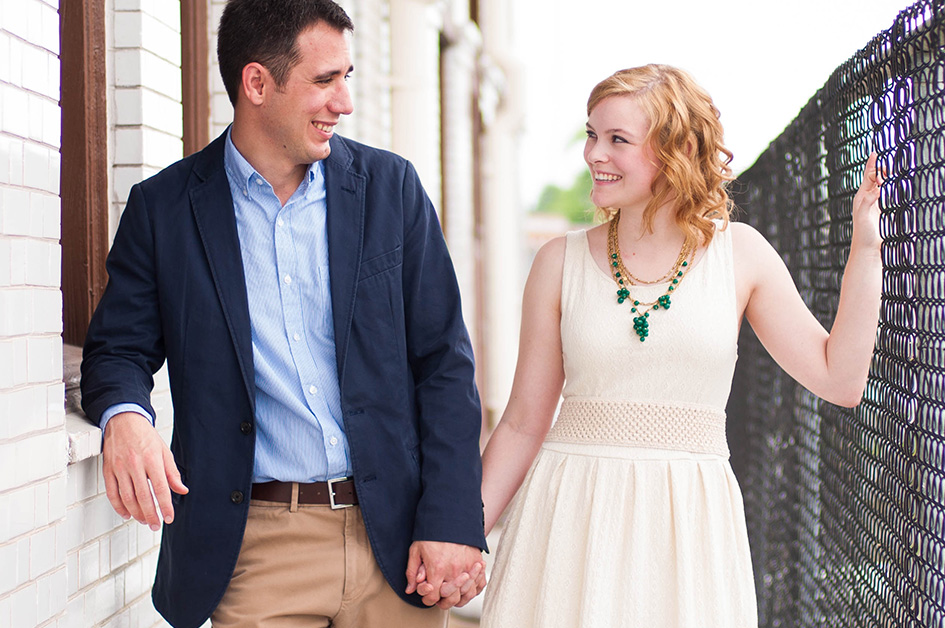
[(212, 207), (345, 190)]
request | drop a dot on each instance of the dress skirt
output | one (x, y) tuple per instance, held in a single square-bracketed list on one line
[(609, 536)]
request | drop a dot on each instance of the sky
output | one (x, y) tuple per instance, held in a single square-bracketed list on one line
[(760, 60)]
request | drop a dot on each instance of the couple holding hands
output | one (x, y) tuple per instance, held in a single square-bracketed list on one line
[(325, 468)]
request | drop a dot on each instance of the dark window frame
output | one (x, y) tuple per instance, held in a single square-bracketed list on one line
[(83, 183)]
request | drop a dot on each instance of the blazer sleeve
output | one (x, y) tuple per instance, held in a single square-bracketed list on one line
[(124, 345), (441, 358)]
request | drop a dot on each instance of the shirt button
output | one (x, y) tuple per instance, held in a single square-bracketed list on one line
[(280, 222), (245, 192), (246, 427), (296, 337), (236, 497), (259, 181), (312, 389), (287, 279), (333, 441)]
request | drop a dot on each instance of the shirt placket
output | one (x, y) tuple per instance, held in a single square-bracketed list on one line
[(295, 296)]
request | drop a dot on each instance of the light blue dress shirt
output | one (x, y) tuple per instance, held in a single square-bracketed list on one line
[(299, 430)]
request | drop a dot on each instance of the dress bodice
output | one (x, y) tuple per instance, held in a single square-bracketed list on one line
[(681, 374)]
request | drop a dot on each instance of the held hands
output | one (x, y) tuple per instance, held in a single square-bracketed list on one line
[(445, 574), (866, 205), (134, 454)]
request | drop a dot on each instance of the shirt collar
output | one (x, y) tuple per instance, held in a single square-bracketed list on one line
[(242, 173)]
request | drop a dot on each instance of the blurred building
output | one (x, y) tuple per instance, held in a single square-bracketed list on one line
[(99, 95)]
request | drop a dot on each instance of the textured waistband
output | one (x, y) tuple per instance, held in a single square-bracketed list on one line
[(628, 423)]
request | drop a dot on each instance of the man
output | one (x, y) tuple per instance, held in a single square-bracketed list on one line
[(325, 459)]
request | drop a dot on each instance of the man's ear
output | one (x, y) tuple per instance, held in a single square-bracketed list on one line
[(256, 82)]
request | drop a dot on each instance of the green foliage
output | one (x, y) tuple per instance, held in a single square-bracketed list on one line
[(574, 203)]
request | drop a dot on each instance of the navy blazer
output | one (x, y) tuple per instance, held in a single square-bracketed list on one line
[(176, 292)]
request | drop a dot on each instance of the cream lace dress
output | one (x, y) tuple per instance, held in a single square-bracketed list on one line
[(630, 515)]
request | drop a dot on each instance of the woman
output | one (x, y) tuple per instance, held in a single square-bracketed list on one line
[(630, 514)]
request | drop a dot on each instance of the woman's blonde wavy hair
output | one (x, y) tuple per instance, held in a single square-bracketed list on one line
[(686, 136)]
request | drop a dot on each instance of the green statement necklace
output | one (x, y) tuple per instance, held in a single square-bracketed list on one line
[(623, 277)]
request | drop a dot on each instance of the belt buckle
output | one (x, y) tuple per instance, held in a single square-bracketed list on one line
[(331, 493)]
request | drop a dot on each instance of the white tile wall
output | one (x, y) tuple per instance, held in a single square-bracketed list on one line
[(7, 465), (15, 115), (6, 518), (43, 264), (8, 573), (16, 163), (22, 511), (25, 603), (22, 561), (6, 617), (14, 214), (44, 362), (37, 78), (6, 146), (5, 68), (156, 148), (142, 31), (24, 404), (49, 29), (45, 304), (137, 68), (7, 263), (15, 310), (37, 167), (32, 434), (52, 218), (15, 70), (126, 176), (42, 552), (57, 508)]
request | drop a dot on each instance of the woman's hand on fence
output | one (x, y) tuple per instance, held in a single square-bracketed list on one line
[(866, 206)]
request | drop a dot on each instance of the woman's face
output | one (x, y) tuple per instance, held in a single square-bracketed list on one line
[(623, 167)]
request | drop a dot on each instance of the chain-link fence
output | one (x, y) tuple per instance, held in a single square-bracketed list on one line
[(846, 508)]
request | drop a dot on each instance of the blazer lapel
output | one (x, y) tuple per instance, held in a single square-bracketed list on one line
[(212, 207), (345, 199)]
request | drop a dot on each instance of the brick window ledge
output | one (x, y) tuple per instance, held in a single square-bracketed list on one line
[(84, 437)]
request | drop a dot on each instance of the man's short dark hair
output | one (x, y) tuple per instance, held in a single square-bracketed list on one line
[(266, 32)]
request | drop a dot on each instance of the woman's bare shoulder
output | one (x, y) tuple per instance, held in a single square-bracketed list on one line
[(748, 244)]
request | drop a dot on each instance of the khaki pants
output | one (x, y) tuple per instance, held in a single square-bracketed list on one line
[(313, 566)]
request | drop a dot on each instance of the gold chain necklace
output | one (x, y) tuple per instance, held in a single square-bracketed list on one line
[(674, 277), (612, 245)]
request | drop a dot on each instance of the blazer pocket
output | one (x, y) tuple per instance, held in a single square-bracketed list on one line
[(381, 263)]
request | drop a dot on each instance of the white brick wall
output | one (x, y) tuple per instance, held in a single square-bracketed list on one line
[(147, 120), (32, 436)]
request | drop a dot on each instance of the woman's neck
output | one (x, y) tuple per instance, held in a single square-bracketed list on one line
[(662, 231)]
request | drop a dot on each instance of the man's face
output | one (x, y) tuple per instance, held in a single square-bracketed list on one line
[(300, 116)]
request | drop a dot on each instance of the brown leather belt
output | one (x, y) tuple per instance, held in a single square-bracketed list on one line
[(337, 493)]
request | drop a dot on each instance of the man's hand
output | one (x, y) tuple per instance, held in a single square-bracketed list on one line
[(134, 454), (472, 587), (445, 574)]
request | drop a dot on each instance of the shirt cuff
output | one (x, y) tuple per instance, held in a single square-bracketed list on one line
[(118, 408)]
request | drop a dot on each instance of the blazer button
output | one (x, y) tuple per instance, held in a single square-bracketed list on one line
[(246, 427), (236, 497)]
